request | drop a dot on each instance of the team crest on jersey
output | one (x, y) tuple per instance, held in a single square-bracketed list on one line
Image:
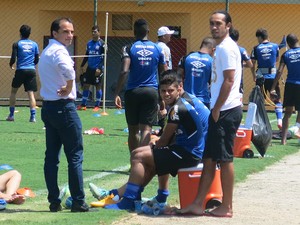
[(198, 64), (174, 113), (295, 56), (266, 50), (144, 53)]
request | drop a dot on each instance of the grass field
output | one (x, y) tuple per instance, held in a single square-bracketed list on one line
[(106, 163)]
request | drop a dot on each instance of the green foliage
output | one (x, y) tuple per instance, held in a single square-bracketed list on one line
[(23, 146)]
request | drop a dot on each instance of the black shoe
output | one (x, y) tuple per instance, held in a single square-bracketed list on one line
[(79, 208), (55, 207)]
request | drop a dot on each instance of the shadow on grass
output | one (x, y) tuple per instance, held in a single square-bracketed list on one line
[(110, 171), (21, 210)]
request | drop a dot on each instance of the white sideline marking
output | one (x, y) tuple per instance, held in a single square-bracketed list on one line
[(97, 176)]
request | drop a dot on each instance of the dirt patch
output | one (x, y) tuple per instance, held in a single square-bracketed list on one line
[(270, 197)]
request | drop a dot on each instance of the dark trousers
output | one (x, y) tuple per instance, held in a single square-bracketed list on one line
[(63, 128)]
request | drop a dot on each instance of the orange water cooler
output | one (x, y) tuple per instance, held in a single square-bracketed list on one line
[(188, 184), (242, 141)]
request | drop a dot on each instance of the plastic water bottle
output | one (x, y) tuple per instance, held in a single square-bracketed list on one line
[(147, 208), (2, 204)]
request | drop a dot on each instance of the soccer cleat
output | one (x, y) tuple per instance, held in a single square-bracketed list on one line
[(55, 207), (98, 193), (108, 200), (10, 118), (81, 107), (32, 120), (96, 109)]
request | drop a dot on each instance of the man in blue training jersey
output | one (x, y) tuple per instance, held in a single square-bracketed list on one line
[(195, 70), (27, 53), (187, 125), (246, 60), (94, 71), (140, 62), (266, 55), (290, 59)]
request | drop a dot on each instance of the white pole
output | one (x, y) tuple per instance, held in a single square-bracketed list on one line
[(105, 59)]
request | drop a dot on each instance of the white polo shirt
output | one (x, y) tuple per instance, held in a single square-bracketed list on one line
[(55, 68)]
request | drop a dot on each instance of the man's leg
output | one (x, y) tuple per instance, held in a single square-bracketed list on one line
[(142, 171), (133, 137), (285, 123), (98, 96), (12, 103), (10, 182), (85, 97), (32, 105), (227, 181), (207, 176), (145, 135)]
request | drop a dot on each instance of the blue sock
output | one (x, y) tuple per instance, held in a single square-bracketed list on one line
[(127, 202), (139, 197), (162, 195), (98, 97), (32, 113), (85, 97), (278, 110), (114, 191), (11, 111)]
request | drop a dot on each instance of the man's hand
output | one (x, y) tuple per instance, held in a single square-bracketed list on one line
[(98, 72), (118, 102), (64, 91), (215, 114)]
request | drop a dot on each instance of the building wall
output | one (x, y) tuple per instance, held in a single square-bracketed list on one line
[(278, 19)]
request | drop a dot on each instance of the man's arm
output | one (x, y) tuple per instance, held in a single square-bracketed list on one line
[(13, 55), (278, 75), (224, 92), (253, 69), (167, 135), (121, 80)]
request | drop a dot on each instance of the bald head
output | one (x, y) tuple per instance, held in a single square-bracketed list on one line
[(292, 40)]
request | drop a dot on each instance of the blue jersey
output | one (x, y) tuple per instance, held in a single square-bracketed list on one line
[(191, 116), (197, 73), (266, 54), (145, 57), (245, 57), (96, 50), (27, 53), (291, 59)]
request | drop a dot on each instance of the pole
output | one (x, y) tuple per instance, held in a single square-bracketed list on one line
[(227, 5), (95, 12), (105, 59)]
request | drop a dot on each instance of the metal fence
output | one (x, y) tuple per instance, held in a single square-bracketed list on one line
[(188, 18)]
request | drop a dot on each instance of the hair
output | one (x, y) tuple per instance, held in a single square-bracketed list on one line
[(25, 31), (96, 27), (227, 17), (208, 42), (234, 34), (292, 40), (262, 33), (141, 28), (56, 24), (170, 77)]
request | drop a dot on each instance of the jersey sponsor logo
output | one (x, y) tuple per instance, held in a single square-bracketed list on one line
[(144, 53), (198, 64), (294, 56), (27, 47), (266, 50)]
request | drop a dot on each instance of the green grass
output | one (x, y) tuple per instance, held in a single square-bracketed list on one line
[(23, 146)]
